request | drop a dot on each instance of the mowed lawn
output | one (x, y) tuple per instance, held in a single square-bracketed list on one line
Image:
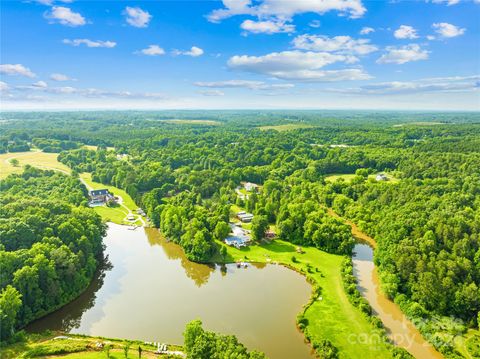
[(112, 214), (77, 346), (35, 158), (333, 317), (286, 127)]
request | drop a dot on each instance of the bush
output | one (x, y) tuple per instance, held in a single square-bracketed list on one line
[(325, 349)]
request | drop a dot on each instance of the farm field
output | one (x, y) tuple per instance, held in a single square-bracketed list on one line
[(35, 158), (347, 177), (192, 122), (286, 127)]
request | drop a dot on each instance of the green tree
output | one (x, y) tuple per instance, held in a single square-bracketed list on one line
[(222, 229), (14, 162), (259, 227), (10, 303)]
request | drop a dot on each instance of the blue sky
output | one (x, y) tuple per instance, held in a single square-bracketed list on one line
[(308, 54)]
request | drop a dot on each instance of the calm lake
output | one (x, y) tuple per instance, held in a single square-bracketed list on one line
[(149, 291)]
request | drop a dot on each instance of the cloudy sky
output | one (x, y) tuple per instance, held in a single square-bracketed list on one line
[(308, 54)]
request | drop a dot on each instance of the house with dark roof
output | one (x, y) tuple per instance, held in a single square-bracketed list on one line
[(99, 196)]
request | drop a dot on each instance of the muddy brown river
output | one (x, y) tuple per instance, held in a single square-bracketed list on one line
[(149, 291), (403, 333)]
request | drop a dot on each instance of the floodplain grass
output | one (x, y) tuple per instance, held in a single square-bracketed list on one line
[(286, 127), (330, 317), (35, 158)]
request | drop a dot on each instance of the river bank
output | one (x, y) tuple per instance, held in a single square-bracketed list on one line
[(329, 314)]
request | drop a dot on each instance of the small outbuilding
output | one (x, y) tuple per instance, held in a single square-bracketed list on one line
[(251, 187), (245, 217), (381, 177)]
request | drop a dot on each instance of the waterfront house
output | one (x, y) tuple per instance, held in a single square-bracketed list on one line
[(99, 196)]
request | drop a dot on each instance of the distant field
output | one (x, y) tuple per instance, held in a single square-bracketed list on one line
[(46, 161), (193, 122), (333, 178), (421, 123), (349, 176), (94, 148), (287, 127)]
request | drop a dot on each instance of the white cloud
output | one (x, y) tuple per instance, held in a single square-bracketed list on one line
[(194, 52), (443, 84), (448, 2), (50, 2), (211, 93), (430, 37), (137, 17), (405, 32), (65, 16), (445, 29), (90, 43), (16, 69), (403, 54), (298, 66), (340, 44), (285, 10), (69, 91), (3, 86), (249, 84), (314, 23), (60, 77), (267, 27), (366, 30), (40, 84), (153, 50)]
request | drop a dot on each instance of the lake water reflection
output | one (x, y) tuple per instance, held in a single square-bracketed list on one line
[(149, 291)]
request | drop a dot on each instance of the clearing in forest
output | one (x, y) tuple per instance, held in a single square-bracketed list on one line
[(286, 127), (35, 158)]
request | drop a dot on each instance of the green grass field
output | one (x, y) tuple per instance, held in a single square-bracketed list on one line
[(113, 214), (77, 346), (334, 317), (35, 158), (286, 127), (94, 148), (347, 177), (192, 122)]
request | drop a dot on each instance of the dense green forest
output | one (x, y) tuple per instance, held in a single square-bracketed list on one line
[(425, 219), (50, 245), (202, 344)]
